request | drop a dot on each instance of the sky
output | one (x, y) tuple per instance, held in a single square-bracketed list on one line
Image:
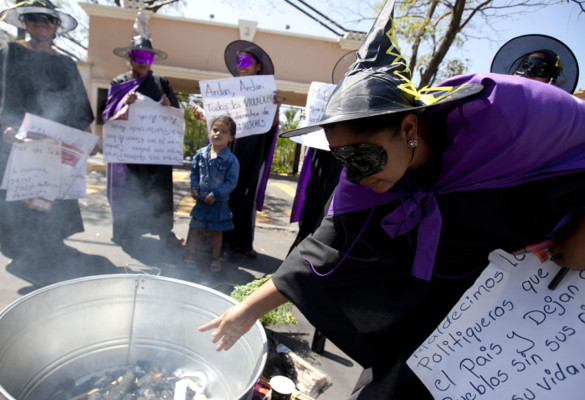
[(564, 22)]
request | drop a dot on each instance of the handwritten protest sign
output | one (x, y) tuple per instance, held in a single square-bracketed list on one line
[(66, 171), (249, 100), (509, 336), (317, 99), (33, 171), (148, 133)]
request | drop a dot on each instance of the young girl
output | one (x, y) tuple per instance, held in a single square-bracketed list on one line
[(214, 174)]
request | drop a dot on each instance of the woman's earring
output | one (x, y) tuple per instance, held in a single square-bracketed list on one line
[(413, 143)]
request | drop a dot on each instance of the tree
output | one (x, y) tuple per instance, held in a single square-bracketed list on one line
[(432, 27)]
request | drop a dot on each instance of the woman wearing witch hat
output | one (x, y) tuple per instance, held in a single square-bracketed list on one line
[(254, 152), (38, 80), (539, 57), (431, 185), (140, 195)]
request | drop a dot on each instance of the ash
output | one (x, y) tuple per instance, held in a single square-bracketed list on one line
[(141, 382)]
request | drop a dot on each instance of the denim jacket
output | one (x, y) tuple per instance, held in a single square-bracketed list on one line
[(218, 176)]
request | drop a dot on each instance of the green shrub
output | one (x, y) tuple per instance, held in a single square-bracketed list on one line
[(279, 316)]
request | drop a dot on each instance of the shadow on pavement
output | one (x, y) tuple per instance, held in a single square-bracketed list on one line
[(68, 263)]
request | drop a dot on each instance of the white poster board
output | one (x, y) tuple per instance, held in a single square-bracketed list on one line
[(317, 99), (59, 156), (509, 336), (146, 132), (248, 100)]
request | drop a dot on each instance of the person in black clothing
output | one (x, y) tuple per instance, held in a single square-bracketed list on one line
[(140, 195), (36, 79)]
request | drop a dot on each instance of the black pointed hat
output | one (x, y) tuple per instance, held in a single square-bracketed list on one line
[(13, 15), (379, 82), (140, 39), (513, 51), (236, 47)]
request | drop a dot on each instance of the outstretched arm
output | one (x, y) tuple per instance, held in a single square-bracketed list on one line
[(237, 320)]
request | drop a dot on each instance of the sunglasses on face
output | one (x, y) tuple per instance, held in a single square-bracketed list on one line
[(45, 18), (141, 56), (245, 61), (535, 66), (361, 160)]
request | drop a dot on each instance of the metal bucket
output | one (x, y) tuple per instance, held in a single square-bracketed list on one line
[(75, 328)]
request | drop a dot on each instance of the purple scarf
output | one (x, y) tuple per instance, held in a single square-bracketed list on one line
[(516, 130), (304, 177), (266, 173), (117, 95)]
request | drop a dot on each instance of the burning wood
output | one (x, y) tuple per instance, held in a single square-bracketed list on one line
[(138, 383)]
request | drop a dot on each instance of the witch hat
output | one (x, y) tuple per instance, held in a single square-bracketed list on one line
[(140, 39), (511, 54), (378, 82), (236, 47), (14, 15)]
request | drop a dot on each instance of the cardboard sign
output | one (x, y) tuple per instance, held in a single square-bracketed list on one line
[(248, 100), (145, 132), (509, 336), (317, 99)]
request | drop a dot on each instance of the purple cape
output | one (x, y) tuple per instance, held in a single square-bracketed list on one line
[(516, 130)]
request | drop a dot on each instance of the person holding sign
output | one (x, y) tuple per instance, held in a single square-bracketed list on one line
[(254, 151), (36, 79), (214, 174), (433, 182), (140, 195)]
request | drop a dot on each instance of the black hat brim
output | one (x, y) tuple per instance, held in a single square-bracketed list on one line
[(445, 98), (519, 46), (123, 52), (12, 17), (237, 46)]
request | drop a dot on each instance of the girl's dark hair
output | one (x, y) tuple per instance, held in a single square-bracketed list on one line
[(226, 119)]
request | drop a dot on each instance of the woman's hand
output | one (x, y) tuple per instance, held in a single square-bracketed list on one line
[(569, 251), (231, 325), (238, 319), (131, 98), (198, 113), (195, 194), (164, 100), (9, 135), (278, 98)]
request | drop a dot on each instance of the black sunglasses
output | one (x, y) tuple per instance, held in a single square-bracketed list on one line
[(361, 160), (535, 66), (37, 17)]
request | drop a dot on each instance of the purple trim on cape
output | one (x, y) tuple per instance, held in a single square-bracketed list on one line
[(305, 175), (117, 95), (264, 180), (515, 131)]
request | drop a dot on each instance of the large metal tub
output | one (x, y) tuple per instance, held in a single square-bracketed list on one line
[(75, 328)]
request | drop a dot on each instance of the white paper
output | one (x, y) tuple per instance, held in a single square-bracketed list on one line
[(317, 99), (145, 133), (248, 100), (33, 170), (509, 336), (76, 145)]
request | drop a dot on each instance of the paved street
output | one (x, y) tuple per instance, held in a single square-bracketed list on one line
[(92, 252)]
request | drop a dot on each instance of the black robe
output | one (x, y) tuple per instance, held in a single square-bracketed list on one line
[(48, 86), (374, 310), (147, 205)]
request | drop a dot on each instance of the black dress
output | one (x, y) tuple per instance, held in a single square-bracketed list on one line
[(374, 310), (48, 86), (142, 193)]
